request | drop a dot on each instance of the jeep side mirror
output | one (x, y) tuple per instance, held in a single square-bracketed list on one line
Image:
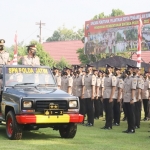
[(1, 76)]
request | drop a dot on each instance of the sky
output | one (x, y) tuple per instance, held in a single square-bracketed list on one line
[(21, 16)]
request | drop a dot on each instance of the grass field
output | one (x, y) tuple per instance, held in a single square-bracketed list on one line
[(87, 138)]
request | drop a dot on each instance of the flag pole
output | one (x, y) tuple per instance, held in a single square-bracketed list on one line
[(139, 43)]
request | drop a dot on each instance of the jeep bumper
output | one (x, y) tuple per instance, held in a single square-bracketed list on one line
[(38, 119)]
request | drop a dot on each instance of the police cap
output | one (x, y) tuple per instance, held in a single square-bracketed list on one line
[(78, 66), (88, 65), (67, 68), (32, 47), (2, 41), (117, 68), (146, 71), (55, 68), (131, 66), (109, 66)]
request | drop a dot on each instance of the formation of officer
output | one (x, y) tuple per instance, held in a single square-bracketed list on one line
[(106, 91)]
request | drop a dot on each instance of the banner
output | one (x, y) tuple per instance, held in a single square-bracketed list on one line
[(117, 34)]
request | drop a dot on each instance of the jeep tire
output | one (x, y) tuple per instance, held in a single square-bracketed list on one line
[(68, 131), (13, 129)]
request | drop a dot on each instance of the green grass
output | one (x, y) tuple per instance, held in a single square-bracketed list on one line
[(87, 138)]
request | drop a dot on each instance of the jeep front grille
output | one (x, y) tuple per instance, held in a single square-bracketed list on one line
[(42, 104)]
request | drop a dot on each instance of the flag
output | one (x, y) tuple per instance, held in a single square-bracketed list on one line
[(139, 42), (15, 61)]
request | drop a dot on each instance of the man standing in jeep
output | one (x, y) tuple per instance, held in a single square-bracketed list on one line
[(31, 58)]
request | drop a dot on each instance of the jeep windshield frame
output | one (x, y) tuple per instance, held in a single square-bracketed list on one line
[(23, 75)]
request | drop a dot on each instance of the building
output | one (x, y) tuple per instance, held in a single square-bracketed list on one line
[(145, 56), (64, 49)]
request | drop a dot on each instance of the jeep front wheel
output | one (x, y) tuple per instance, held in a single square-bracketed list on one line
[(68, 131), (13, 129)]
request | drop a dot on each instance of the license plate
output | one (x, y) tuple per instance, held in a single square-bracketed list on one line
[(49, 112)]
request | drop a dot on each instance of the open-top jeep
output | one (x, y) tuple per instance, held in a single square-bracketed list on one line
[(30, 100)]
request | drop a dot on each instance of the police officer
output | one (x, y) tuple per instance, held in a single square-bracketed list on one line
[(108, 96), (57, 77), (78, 86), (4, 56), (4, 59), (140, 86), (63, 77), (89, 93), (118, 96), (129, 97), (145, 95), (31, 58), (67, 81), (101, 91), (97, 94)]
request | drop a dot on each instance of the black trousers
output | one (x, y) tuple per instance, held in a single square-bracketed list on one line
[(0, 100), (97, 108), (130, 115), (101, 107), (116, 111), (146, 107), (124, 110), (140, 108), (82, 106), (109, 112), (137, 113), (90, 110)]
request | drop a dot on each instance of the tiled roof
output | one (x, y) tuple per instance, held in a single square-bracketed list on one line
[(66, 49), (145, 56)]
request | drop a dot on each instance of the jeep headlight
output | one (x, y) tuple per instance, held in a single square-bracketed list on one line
[(27, 104), (73, 104)]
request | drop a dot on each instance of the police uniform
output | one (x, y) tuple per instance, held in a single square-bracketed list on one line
[(58, 80), (140, 86), (67, 83), (4, 59), (116, 106), (101, 91), (130, 84), (77, 91), (145, 98), (62, 81), (89, 82), (109, 83), (31, 60), (97, 97), (4, 56), (57, 77)]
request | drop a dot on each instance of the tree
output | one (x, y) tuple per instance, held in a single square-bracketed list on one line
[(100, 16), (114, 13), (82, 57), (64, 34), (62, 63)]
